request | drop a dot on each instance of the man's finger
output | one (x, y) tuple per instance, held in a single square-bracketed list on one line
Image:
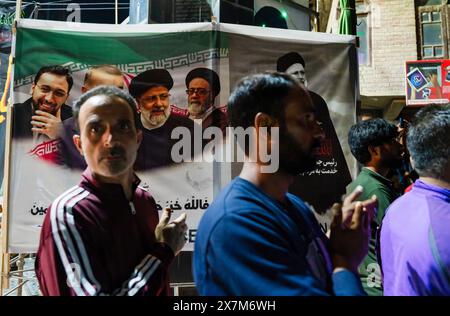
[(38, 124), (354, 195), (358, 214), (38, 130), (371, 205), (44, 114), (165, 217), (347, 213), (180, 219), (337, 215), (41, 118)]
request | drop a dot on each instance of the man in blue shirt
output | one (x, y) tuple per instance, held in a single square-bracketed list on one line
[(256, 238)]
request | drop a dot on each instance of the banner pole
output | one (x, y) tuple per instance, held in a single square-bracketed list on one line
[(5, 207), (18, 8), (5, 265), (5, 256), (116, 9), (4, 260), (332, 16)]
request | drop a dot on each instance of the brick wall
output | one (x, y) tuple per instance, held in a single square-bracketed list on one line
[(393, 42)]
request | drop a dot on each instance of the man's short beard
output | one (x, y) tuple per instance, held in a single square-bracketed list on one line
[(156, 120), (302, 163), (53, 111), (197, 109), (394, 163), (297, 162)]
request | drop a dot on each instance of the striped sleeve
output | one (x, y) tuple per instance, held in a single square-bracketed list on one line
[(85, 273)]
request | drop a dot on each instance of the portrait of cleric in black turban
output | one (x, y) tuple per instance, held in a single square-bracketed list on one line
[(151, 89), (202, 88), (310, 186)]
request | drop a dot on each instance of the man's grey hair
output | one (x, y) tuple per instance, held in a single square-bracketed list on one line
[(428, 140), (111, 92)]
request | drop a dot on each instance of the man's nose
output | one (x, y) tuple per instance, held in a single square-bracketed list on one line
[(108, 137), (159, 102), (49, 96)]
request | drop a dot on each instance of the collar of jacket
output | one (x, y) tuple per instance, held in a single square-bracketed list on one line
[(110, 191), (377, 176)]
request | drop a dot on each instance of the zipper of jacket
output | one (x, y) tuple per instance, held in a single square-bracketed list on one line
[(133, 210)]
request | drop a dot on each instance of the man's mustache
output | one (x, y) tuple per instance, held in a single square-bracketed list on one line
[(161, 109), (47, 107), (52, 105), (116, 151)]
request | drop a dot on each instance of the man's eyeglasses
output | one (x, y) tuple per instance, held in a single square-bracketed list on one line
[(154, 98), (57, 93), (199, 91)]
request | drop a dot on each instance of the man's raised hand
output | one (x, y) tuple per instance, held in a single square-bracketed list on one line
[(46, 123), (172, 233)]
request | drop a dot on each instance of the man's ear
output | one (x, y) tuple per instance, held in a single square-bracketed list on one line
[(264, 120), (263, 127), (77, 141), (32, 88), (374, 151)]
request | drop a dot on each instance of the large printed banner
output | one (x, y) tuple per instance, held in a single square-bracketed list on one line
[(38, 175)]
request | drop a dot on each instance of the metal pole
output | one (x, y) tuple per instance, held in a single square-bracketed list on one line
[(117, 11), (353, 20), (20, 265), (18, 8), (15, 288), (4, 255)]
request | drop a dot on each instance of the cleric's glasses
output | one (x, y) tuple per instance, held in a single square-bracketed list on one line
[(199, 91)]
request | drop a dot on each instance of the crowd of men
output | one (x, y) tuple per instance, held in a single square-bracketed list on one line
[(104, 236)]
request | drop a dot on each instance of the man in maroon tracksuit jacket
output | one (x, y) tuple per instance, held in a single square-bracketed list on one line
[(102, 237)]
